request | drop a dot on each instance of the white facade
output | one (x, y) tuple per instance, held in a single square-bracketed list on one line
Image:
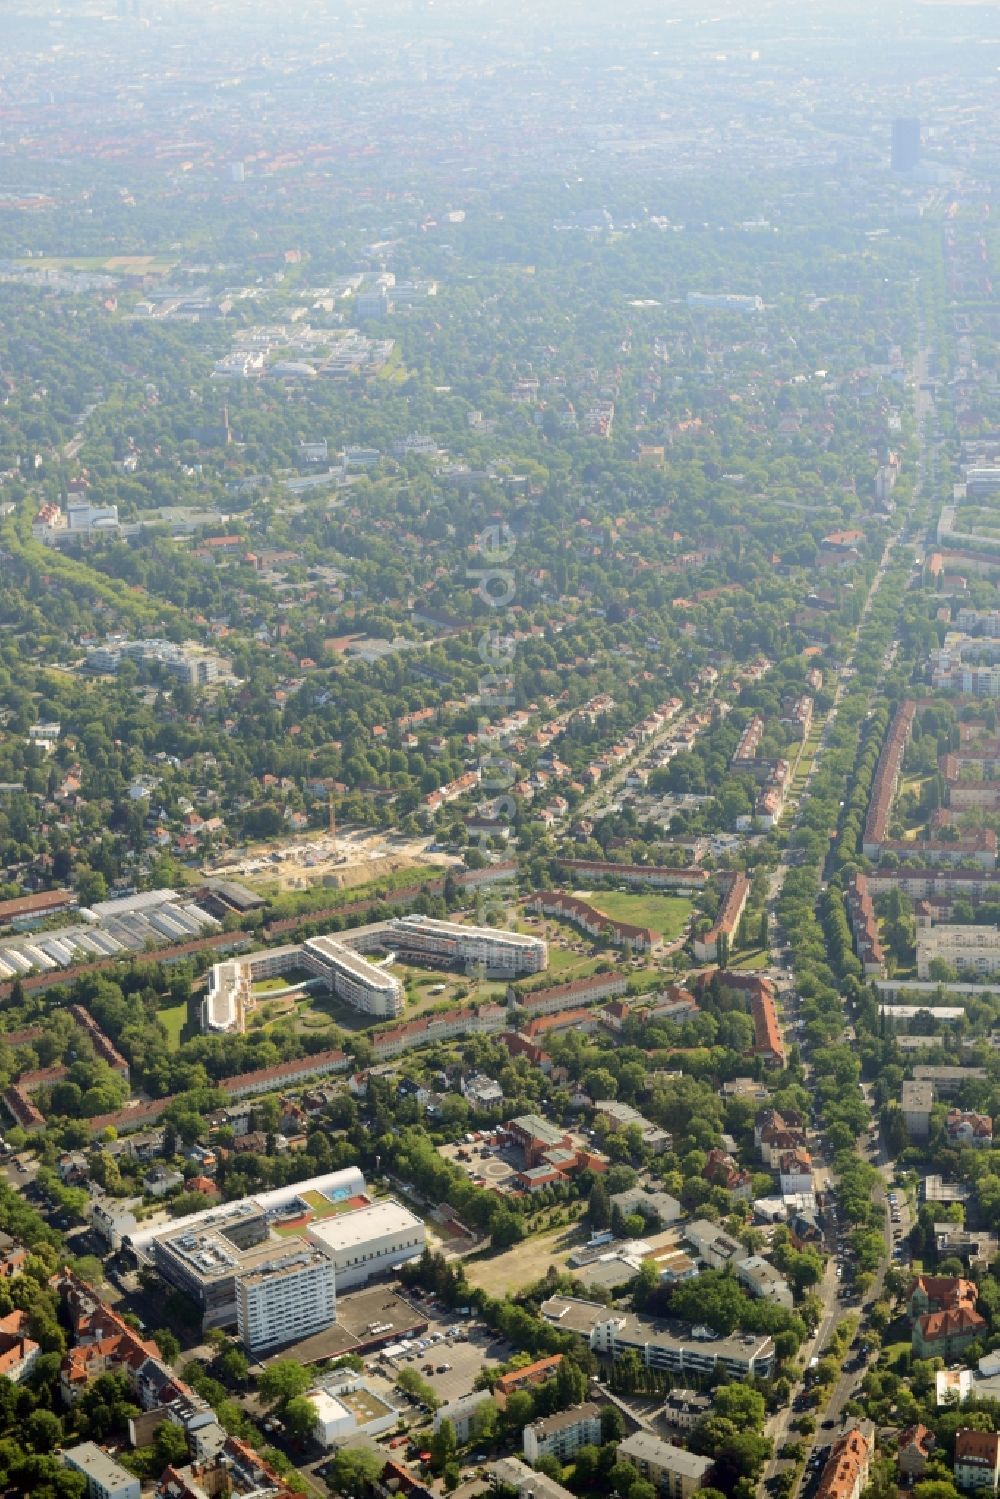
[(284, 1301), (362, 984), (717, 1248), (563, 1434), (106, 1479), (344, 1404), (976, 947), (365, 986), (725, 301), (502, 954), (369, 1241), (348, 1182), (462, 1414), (111, 1219), (764, 1281)]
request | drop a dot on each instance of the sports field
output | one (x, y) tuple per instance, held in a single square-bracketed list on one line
[(319, 1207), (322, 1207)]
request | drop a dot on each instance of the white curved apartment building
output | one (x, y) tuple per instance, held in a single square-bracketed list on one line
[(365, 986), (503, 954), (229, 996)]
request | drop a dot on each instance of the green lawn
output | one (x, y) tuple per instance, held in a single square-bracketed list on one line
[(173, 1020), (290, 980), (747, 961), (664, 913), (570, 964)]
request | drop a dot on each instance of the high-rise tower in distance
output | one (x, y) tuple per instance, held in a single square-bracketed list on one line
[(905, 145)]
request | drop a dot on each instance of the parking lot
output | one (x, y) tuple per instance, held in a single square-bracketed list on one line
[(465, 1346), (482, 1161)]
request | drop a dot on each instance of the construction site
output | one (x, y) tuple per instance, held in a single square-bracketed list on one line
[(338, 858)]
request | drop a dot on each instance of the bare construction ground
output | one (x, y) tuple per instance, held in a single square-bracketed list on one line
[(355, 857)]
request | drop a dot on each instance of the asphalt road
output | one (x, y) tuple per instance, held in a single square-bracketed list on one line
[(855, 1365)]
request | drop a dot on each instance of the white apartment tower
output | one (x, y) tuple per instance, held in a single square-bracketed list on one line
[(286, 1300)]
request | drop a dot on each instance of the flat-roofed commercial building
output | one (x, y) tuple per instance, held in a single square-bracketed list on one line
[(502, 954), (369, 1241), (345, 1403), (278, 1202), (274, 1288), (286, 1299), (205, 1260)]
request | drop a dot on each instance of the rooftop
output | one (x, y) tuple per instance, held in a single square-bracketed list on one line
[(645, 1448), (387, 1216)]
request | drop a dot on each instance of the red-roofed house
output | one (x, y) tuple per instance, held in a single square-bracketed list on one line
[(18, 1352)]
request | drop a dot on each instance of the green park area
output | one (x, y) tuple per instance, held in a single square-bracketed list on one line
[(664, 913), (281, 982), (748, 960), (173, 1021)]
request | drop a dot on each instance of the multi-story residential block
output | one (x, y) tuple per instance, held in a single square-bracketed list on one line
[(593, 921), (512, 1474), (917, 1100), (105, 1478), (363, 985), (846, 1471), (673, 1471), (947, 1081), (886, 779), (765, 1282), (977, 1459), (501, 954), (726, 924), (649, 875), (562, 1435), (961, 947), (463, 1413), (717, 1248), (660, 1207), (588, 991), (939, 1293), (947, 1334), (286, 1299), (623, 1116), (864, 927), (667, 1345)]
